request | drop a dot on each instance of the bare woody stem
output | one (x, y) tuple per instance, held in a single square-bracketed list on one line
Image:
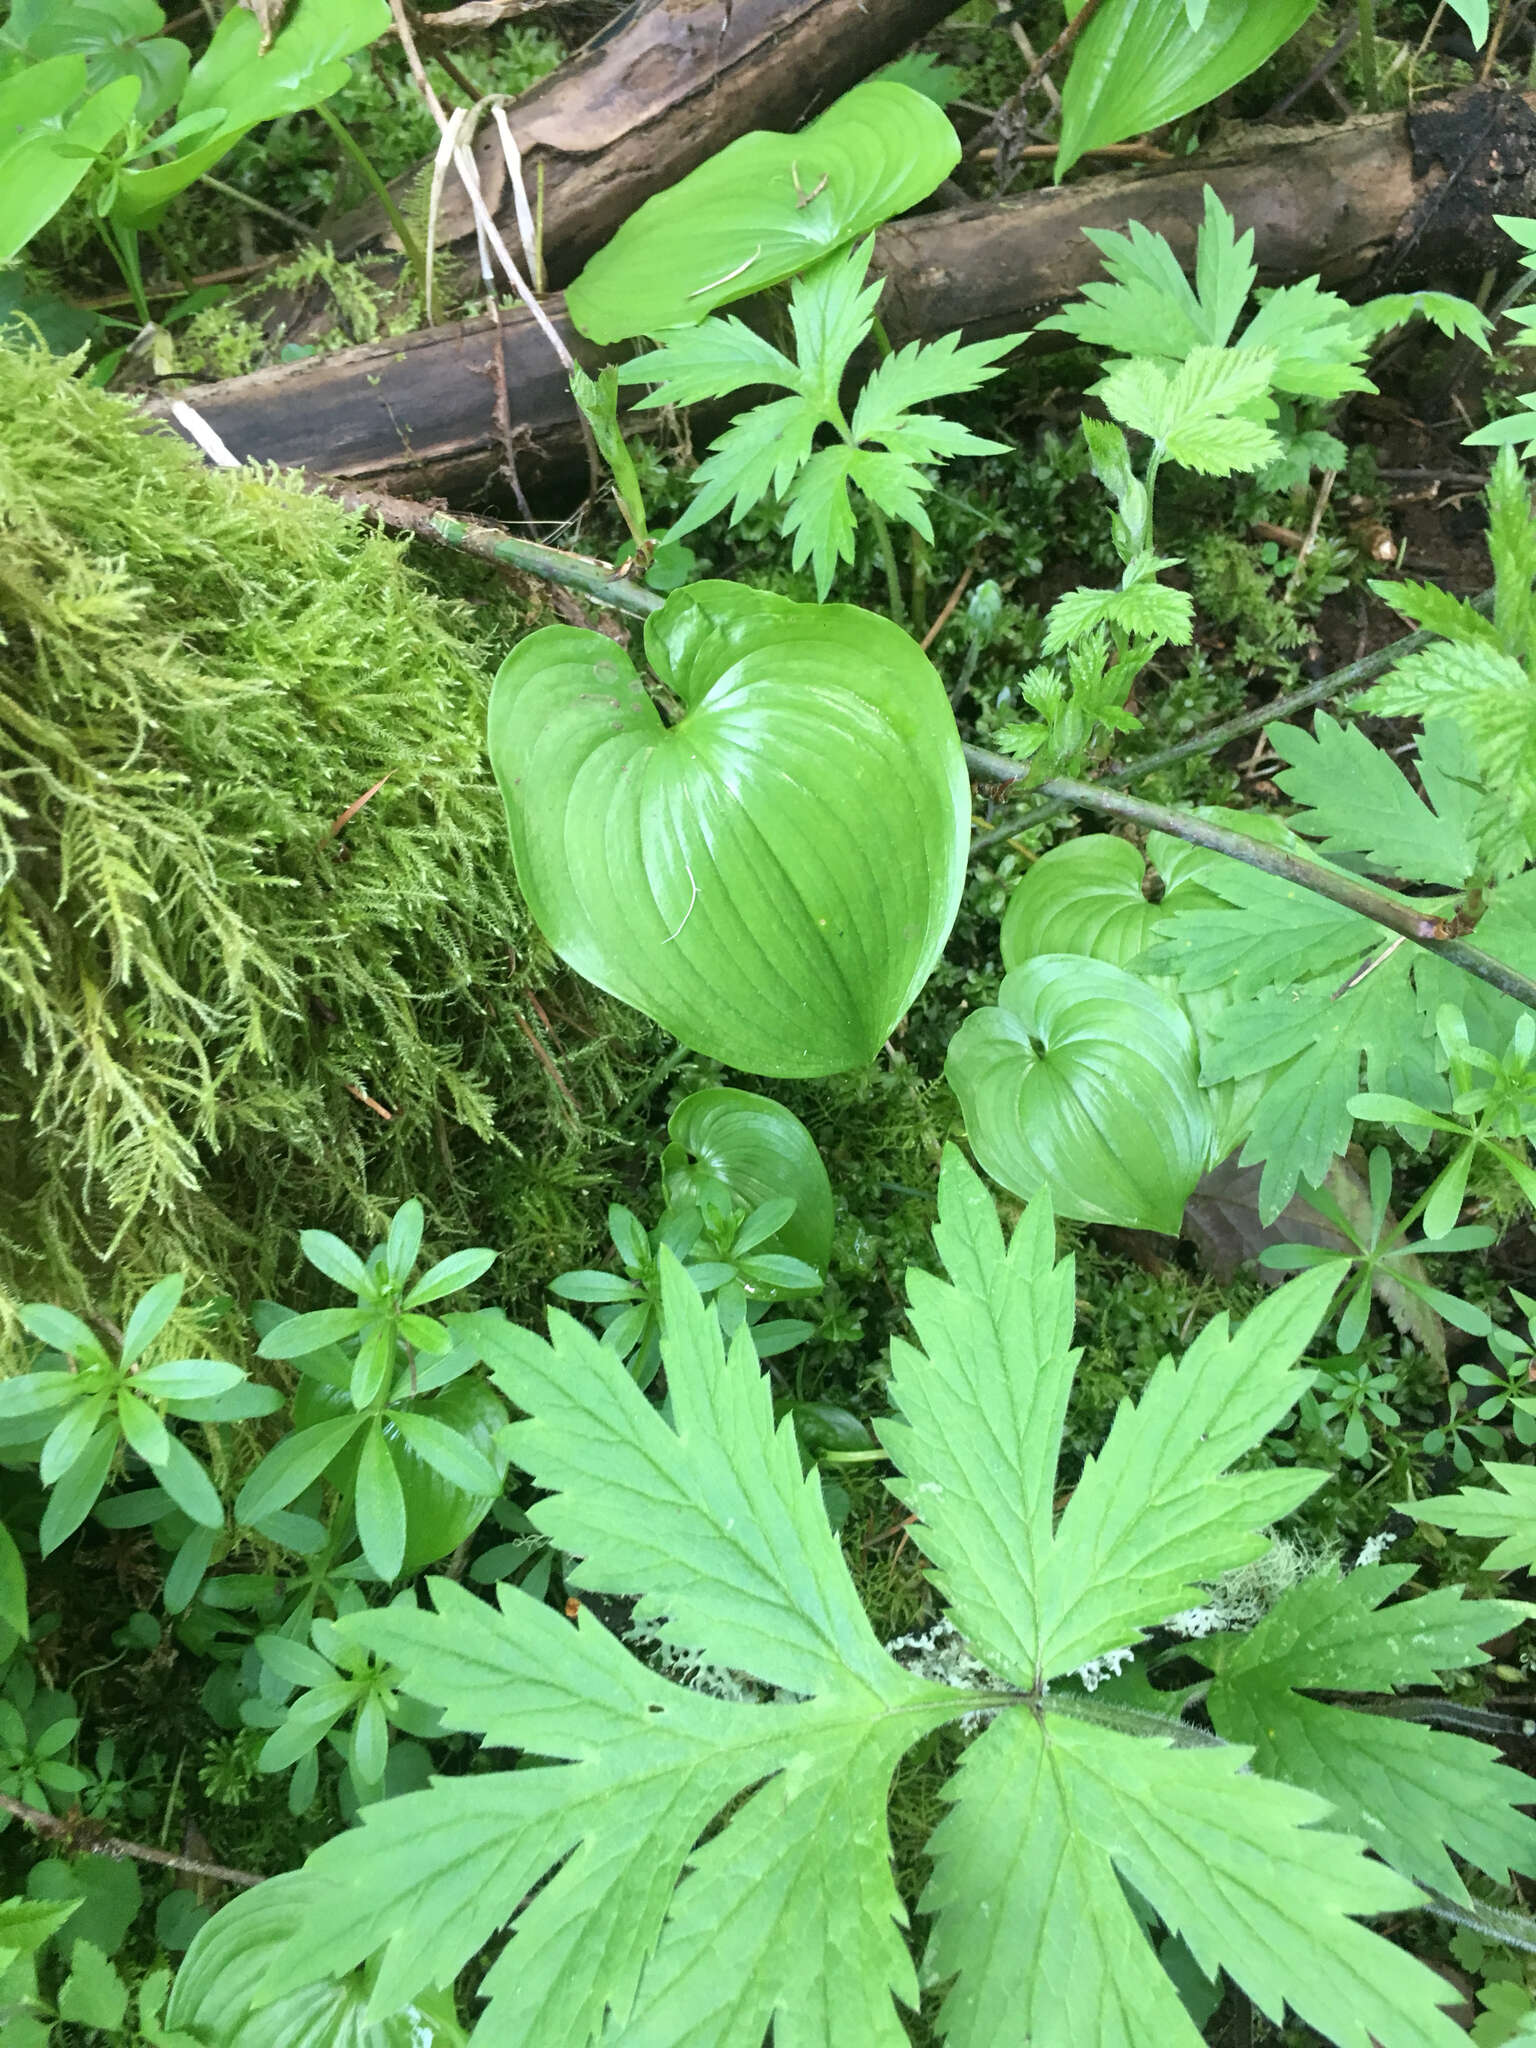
[(1340, 682), (1380, 905), (595, 580), (84, 1835), (1044, 61)]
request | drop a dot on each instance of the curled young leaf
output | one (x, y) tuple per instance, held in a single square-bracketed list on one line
[(759, 1150), (1084, 1081), (773, 877)]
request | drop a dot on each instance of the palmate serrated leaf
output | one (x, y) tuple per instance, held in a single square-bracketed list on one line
[(1452, 316), (1489, 695), (1144, 611), (710, 361), (1147, 1515), (1505, 1511), (1427, 605), (831, 310), (712, 1523), (1311, 1046), (819, 515), (892, 483), (1356, 799), (1200, 414), (920, 371), (1151, 308), (1405, 1788), (761, 452), (1316, 343), (1050, 1815)]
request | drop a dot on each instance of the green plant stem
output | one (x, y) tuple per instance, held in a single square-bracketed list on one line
[(1368, 79), (493, 544), (1340, 682), (596, 580), (1133, 1720), (888, 556), (380, 191), (284, 220), (1496, 1923), (124, 244), (1383, 908)]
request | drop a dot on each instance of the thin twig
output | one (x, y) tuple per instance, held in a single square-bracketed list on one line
[(948, 612), (1340, 682), (1027, 51), (1319, 72), (177, 288), (1039, 152), (1425, 928), (1309, 538), (1042, 64), (84, 1835)]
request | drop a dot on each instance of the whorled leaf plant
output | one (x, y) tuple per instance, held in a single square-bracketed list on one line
[(773, 1804)]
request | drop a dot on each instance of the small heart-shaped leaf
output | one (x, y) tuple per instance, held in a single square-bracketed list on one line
[(772, 877), (1089, 896), (764, 208), (759, 1150), (1084, 1081)]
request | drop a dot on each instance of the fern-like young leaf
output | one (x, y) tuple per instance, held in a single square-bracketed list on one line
[(773, 1807), (1315, 344), (1483, 675), (883, 450)]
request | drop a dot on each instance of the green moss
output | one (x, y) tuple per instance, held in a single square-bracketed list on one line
[(203, 982)]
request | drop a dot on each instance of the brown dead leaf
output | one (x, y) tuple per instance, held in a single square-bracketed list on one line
[(269, 16)]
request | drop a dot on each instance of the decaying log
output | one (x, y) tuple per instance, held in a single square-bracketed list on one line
[(668, 84), (1389, 199)]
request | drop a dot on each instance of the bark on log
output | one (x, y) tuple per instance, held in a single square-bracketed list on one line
[(668, 84), (1390, 199)]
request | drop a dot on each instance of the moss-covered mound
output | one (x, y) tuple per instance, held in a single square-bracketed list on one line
[(225, 1013)]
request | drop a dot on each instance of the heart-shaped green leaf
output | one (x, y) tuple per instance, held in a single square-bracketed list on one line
[(1138, 63), (764, 208), (773, 876), (1089, 896), (760, 1151), (1083, 1081)]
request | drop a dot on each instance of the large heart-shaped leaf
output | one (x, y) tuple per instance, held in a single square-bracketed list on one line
[(45, 150), (1138, 63), (1083, 1080), (773, 876), (761, 1152), (764, 208), (117, 39)]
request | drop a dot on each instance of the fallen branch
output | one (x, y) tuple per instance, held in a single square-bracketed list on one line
[(417, 413), (86, 1837), (1393, 913)]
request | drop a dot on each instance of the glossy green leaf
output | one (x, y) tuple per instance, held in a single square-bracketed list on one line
[(379, 1504), (760, 1151), (1083, 1081), (438, 1514), (764, 208), (217, 1988), (13, 1585), (305, 65), (773, 877), (45, 148), (1089, 895), (1138, 64), (117, 39)]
